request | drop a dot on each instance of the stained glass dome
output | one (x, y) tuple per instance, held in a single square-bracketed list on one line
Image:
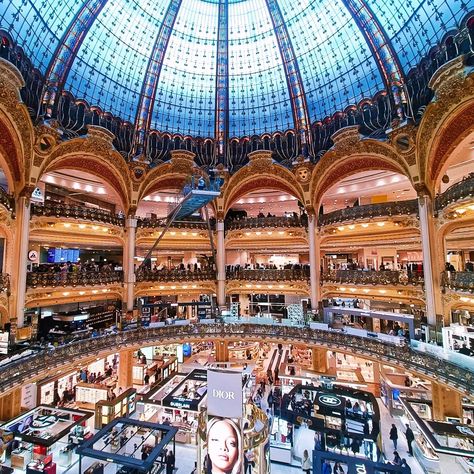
[(230, 67)]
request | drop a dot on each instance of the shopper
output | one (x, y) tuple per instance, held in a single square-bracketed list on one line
[(397, 460), (394, 436), (170, 460), (410, 438), (327, 469), (306, 462), (338, 469), (406, 466)]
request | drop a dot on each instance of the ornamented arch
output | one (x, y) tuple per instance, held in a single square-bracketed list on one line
[(93, 154), (16, 129), (260, 173), (447, 120), (351, 155)]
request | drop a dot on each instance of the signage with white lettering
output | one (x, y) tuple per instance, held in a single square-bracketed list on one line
[(224, 393)]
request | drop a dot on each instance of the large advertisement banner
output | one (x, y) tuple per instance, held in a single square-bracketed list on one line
[(224, 447), (224, 393)]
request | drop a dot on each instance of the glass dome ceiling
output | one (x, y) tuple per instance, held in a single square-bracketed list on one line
[(237, 68)]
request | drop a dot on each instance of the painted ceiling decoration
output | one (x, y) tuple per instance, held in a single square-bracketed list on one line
[(224, 77)]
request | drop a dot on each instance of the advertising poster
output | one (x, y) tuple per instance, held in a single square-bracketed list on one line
[(223, 451)]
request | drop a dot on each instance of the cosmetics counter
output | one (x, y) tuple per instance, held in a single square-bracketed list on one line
[(43, 439), (177, 402)]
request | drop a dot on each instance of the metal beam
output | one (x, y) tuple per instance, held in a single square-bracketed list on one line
[(152, 77), (299, 106), (222, 80), (65, 53), (382, 50)]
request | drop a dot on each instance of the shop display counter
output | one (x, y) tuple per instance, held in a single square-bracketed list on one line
[(108, 410), (280, 454), (88, 394)]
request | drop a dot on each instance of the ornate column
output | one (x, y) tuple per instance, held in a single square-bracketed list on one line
[(222, 351), (129, 261), (20, 255), (446, 402), (125, 379), (220, 251), (319, 357), (314, 261), (431, 270)]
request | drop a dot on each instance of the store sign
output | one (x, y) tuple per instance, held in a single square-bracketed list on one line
[(329, 400), (28, 396), (224, 393)]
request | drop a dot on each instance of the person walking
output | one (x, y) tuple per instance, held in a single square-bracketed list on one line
[(394, 436), (306, 462), (406, 466), (327, 469), (410, 438), (170, 460)]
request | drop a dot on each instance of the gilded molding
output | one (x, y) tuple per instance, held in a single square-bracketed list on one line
[(440, 127)]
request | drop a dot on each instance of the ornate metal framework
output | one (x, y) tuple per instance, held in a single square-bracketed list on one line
[(152, 78), (39, 365), (66, 52), (385, 56), (222, 80), (299, 106)]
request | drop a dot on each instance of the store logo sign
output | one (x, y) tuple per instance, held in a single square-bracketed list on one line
[(465, 430), (360, 469), (224, 395), (330, 400)]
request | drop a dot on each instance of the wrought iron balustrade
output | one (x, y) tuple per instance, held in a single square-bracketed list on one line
[(59, 209), (264, 222), (64, 279), (7, 200), (268, 274), (369, 211), (175, 275), (4, 282), (460, 281), (371, 277), (147, 222), (461, 190), (39, 365)]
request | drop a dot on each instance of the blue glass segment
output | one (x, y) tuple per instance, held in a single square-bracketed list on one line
[(334, 63)]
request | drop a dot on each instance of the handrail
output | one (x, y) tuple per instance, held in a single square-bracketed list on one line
[(456, 192), (265, 222), (451, 373), (147, 222), (268, 274), (372, 277), (80, 278), (369, 211), (175, 275), (7, 200), (59, 209), (463, 281)]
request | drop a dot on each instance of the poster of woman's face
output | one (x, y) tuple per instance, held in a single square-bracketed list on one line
[(224, 447)]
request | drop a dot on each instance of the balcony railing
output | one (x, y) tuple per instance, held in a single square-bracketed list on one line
[(4, 282), (147, 222), (64, 279), (175, 275), (268, 274), (456, 192), (457, 375), (369, 211), (7, 200), (459, 281), (265, 222), (59, 209), (360, 277)]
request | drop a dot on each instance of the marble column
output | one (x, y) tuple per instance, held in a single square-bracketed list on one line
[(129, 261), (220, 264), (314, 262), (20, 256)]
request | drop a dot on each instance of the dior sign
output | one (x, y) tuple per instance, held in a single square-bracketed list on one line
[(224, 393)]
